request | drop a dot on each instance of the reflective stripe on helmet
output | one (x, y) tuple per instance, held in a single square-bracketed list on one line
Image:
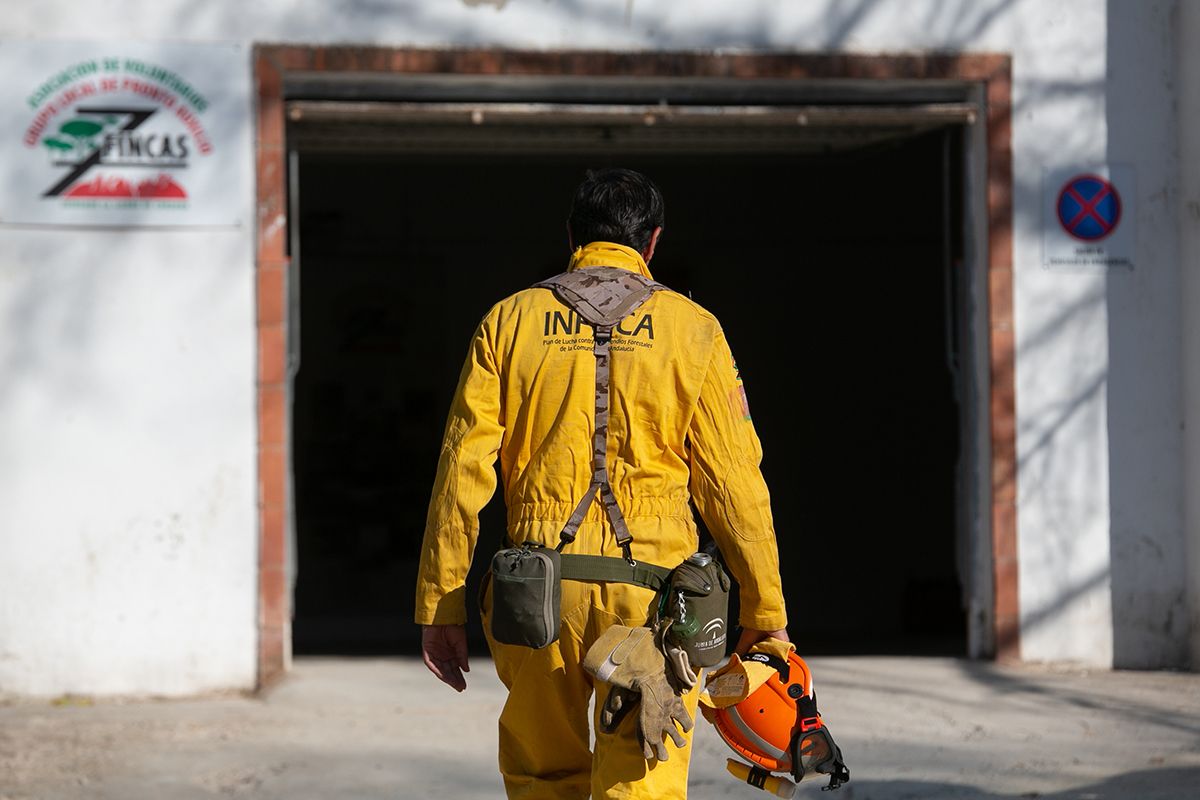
[(754, 740)]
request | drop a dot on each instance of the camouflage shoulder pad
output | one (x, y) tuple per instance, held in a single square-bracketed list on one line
[(602, 295)]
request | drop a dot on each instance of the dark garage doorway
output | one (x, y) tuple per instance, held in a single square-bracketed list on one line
[(834, 268)]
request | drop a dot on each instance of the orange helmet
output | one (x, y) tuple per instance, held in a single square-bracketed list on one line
[(778, 727)]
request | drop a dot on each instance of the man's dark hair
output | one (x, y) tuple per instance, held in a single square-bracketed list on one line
[(616, 205)]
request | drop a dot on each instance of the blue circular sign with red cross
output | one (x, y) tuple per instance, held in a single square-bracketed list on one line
[(1089, 207)]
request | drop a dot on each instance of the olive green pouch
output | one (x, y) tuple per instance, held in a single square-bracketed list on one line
[(526, 595), (697, 600)]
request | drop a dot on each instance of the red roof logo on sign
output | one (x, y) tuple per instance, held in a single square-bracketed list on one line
[(160, 188), (102, 186)]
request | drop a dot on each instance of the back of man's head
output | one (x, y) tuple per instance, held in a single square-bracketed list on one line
[(616, 205)]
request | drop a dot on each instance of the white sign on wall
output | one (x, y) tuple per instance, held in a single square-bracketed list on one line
[(1088, 218), (125, 134)]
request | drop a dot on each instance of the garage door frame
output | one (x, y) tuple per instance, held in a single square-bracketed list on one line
[(989, 73)]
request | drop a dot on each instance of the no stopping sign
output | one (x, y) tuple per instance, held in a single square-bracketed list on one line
[(1089, 207)]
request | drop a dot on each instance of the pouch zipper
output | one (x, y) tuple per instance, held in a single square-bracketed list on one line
[(548, 595)]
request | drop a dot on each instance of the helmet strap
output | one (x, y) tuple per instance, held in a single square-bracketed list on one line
[(757, 777), (781, 666)]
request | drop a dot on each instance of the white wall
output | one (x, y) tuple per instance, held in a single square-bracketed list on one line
[(1150, 618), (1022, 26), (1063, 320), (1187, 32), (126, 474)]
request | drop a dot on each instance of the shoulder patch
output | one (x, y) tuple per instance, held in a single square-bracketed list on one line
[(741, 405)]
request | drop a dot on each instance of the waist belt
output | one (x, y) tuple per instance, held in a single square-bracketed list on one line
[(577, 567)]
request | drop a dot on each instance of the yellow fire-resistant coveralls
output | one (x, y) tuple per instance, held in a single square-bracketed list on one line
[(679, 426)]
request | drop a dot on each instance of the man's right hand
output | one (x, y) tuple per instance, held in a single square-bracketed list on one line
[(444, 650), (751, 637)]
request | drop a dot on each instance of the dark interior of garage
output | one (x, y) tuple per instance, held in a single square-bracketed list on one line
[(831, 270)]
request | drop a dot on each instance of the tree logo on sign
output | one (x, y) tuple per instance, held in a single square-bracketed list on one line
[(111, 136)]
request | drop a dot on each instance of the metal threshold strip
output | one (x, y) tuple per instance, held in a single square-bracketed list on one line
[(916, 116)]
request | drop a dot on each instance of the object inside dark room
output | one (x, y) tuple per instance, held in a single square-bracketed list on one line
[(828, 273)]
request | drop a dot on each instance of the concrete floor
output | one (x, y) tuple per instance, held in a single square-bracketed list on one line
[(379, 728)]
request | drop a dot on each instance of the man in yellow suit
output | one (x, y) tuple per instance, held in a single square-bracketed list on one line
[(679, 429)]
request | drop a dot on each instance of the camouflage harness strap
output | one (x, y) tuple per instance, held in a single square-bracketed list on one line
[(602, 296)]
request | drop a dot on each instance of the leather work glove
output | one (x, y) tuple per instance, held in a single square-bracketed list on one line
[(618, 705), (630, 660)]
